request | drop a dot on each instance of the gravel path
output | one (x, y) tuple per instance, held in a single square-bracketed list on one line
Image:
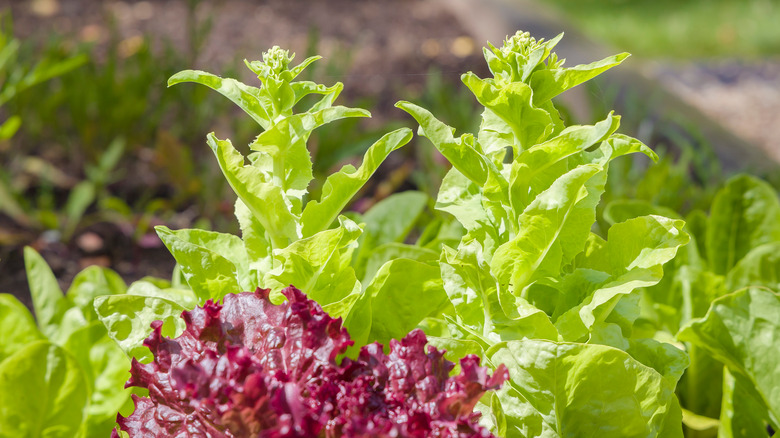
[(744, 97)]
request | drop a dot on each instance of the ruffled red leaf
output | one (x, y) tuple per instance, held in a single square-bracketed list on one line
[(249, 368)]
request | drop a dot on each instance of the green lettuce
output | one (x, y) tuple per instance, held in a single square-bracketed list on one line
[(741, 331), (529, 284), (61, 374)]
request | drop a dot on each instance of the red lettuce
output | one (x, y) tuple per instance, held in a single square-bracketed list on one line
[(251, 368)]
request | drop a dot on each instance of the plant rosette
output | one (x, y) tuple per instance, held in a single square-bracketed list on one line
[(251, 368)]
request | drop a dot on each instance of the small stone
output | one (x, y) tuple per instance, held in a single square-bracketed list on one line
[(89, 242)]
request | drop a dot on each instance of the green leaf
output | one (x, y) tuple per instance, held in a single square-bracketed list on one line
[(9, 127), (741, 330), (284, 144), (637, 250), (482, 307), (495, 136), (304, 88), (318, 265), (624, 209), (106, 369), (455, 349), (258, 248), (247, 98), (402, 294), (462, 198), (391, 251), (391, 219), (295, 71), (209, 274), (43, 393), (744, 215), (741, 415), (512, 103), (759, 267), (265, 200), (388, 221), (17, 326), (567, 390), (537, 250), (79, 199), (645, 242), (535, 169), (669, 360), (550, 83), (147, 288), (92, 282), (695, 424), (620, 145), (699, 389), (341, 186), (228, 246), (128, 319), (48, 300), (462, 153)]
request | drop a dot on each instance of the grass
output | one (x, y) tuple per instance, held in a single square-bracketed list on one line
[(680, 28)]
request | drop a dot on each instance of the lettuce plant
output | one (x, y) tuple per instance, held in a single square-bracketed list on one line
[(530, 285), (60, 373), (734, 247), (251, 368)]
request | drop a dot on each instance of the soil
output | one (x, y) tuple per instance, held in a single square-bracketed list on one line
[(376, 48), (390, 49)]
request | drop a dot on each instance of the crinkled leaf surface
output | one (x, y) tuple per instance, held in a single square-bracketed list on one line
[(512, 103), (249, 368), (263, 198), (402, 293), (636, 250), (320, 264), (128, 320), (537, 250), (199, 253), (536, 169), (284, 144), (567, 390)]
